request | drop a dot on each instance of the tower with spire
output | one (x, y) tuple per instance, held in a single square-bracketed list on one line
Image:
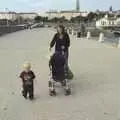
[(77, 5)]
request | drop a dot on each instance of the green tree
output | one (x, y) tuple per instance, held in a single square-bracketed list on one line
[(38, 19), (101, 15), (62, 19), (92, 16), (118, 16), (45, 19), (19, 20), (55, 19)]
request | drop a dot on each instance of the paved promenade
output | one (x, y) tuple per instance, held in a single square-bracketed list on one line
[(95, 89)]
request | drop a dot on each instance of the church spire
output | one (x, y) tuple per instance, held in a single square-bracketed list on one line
[(77, 5)]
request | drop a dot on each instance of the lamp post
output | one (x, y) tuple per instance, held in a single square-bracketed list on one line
[(7, 11)]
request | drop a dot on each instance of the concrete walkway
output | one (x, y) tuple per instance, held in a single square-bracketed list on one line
[(95, 88)]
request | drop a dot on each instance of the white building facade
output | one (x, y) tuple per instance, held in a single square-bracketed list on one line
[(14, 15), (118, 21), (108, 22), (8, 15)]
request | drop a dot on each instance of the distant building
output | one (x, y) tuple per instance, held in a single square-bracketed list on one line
[(28, 15), (14, 15), (108, 22), (8, 15), (52, 14), (67, 14), (110, 9), (117, 13)]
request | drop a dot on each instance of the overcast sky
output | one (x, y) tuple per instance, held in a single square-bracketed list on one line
[(42, 5)]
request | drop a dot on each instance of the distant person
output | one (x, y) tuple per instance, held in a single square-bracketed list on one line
[(83, 30), (27, 77), (61, 41)]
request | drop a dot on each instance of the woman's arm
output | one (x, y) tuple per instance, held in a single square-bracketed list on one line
[(50, 64), (53, 41), (68, 40), (33, 75)]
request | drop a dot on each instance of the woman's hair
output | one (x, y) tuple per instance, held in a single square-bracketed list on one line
[(62, 27)]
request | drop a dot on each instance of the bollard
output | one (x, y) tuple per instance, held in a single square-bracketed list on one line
[(72, 32), (68, 30), (119, 42), (78, 34), (101, 37), (88, 35)]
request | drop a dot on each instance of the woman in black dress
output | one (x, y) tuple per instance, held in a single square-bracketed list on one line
[(61, 41)]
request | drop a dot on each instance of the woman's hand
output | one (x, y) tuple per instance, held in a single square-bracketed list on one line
[(62, 47), (50, 49)]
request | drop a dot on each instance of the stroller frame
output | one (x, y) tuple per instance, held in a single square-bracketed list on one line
[(65, 84)]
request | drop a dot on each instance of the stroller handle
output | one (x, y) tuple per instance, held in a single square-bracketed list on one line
[(63, 48)]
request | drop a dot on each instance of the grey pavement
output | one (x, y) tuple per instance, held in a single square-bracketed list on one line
[(95, 88)]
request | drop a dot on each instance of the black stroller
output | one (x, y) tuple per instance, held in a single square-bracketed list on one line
[(58, 73)]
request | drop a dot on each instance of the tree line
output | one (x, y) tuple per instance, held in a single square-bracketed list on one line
[(91, 17)]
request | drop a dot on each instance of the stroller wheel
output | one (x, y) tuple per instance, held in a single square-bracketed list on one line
[(68, 92), (63, 83), (49, 84), (52, 93)]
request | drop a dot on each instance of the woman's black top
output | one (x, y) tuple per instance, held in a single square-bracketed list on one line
[(65, 41)]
